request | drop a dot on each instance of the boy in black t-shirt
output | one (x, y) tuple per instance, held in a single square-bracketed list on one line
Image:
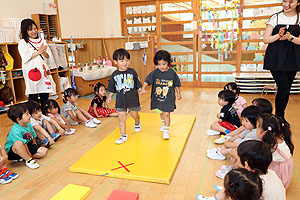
[(228, 117), (125, 82)]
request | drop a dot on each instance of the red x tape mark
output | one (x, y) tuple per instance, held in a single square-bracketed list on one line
[(122, 166)]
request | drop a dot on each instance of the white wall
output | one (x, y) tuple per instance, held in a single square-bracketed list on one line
[(20, 8), (89, 18), (79, 18)]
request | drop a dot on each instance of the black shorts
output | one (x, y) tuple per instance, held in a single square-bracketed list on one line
[(33, 148)]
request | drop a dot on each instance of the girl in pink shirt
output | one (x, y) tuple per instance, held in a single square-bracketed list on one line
[(240, 103)]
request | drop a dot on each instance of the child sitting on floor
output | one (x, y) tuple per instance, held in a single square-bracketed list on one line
[(43, 124), (20, 142), (240, 103), (240, 184), (271, 130), (52, 110), (228, 117), (73, 113), (99, 107)]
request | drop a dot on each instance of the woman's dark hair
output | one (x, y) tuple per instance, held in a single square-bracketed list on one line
[(232, 86), (257, 154), (119, 54), (68, 93), (297, 10), (33, 106), (274, 128), (227, 95), (263, 104), (26, 25), (97, 86), (251, 113), (241, 184), (162, 55), (50, 104), (16, 111)]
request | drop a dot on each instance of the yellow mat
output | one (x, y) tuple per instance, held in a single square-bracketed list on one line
[(145, 156), (72, 192)]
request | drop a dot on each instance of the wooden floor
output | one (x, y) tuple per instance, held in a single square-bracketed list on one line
[(195, 173)]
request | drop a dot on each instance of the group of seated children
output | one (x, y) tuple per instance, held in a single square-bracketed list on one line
[(34, 126), (261, 144)]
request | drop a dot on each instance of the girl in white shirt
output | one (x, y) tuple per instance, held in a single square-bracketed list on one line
[(272, 131)]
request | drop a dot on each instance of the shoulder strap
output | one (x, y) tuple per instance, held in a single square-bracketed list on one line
[(281, 153), (35, 48), (277, 19)]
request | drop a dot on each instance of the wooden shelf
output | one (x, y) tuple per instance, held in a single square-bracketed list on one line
[(143, 24), (18, 77), (17, 84), (140, 14)]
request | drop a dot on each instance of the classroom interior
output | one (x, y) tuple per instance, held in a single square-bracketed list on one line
[(211, 43)]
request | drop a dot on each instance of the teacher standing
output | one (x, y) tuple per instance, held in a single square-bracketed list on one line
[(33, 51), (282, 56)]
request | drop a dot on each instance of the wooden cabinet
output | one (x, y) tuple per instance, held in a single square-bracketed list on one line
[(48, 23), (15, 79), (138, 17)]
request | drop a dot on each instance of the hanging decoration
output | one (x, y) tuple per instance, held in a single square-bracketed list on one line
[(219, 35)]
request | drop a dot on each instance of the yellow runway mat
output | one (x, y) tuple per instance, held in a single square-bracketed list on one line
[(145, 156)]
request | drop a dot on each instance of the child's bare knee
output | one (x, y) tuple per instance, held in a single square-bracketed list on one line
[(42, 151), (17, 144)]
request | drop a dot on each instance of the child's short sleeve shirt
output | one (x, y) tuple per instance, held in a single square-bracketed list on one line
[(229, 114), (34, 122), (68, 106), (125, 84), (163, 89), (18, 132), (97, 100)]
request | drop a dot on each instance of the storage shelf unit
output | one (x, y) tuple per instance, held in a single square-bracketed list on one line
[(48, 23)]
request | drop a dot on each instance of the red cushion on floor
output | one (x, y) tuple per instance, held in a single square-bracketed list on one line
[(123, 195)]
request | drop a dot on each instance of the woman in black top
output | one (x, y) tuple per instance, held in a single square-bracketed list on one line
[(282, 56)]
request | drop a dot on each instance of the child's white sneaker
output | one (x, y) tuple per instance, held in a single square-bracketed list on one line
[(216, 155), (221, 173), (4, 179), (90, 124), (71, 132), (95, 121), (122, 139), (166, 135), (212, 132), (200, 197), (222, 139), (32, 164), (213, 150), (137, 127), (162, 128), (19, 160)]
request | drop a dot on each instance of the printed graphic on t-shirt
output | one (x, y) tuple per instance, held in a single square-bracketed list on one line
[(124, 82), (162, 88), (235, 106)]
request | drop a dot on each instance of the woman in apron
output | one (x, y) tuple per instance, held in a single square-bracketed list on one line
[(282, 56), (33, 51)]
